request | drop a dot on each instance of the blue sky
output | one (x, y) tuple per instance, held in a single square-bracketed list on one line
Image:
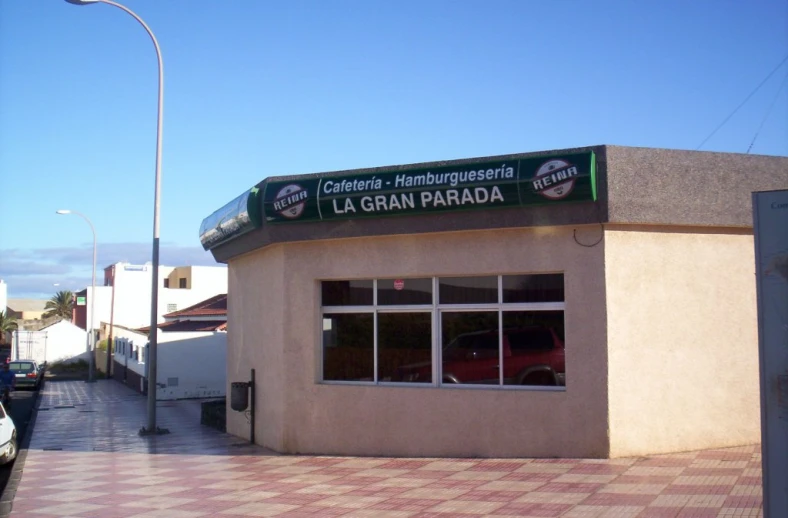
[(263, 88)]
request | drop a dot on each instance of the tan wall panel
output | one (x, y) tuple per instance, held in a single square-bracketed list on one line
[(255, 316), (333, 419), (682, 335)]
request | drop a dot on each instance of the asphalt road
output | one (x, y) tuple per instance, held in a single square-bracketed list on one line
[(21, 409)]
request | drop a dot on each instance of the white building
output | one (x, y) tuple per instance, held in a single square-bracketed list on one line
[(192, 353), (3, 296), (124, 299), (62, 341)]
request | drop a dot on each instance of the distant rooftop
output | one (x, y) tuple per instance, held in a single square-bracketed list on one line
[(19, 305), (194, 325), (188, 325), (214, 306)]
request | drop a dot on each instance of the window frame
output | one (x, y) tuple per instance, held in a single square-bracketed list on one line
[(436, 311)]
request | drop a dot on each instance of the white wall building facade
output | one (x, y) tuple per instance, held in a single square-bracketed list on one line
[(179, 287), (60, 342), (190, 364), (3, 296)]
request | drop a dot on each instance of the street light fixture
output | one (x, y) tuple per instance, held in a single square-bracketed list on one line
[(92, 337), (152, 337)]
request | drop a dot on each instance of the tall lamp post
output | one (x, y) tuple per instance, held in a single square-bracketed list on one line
[(92, 340), (152, 338)]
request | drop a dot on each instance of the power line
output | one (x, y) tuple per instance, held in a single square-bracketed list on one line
[(743, 102), (769, 111)]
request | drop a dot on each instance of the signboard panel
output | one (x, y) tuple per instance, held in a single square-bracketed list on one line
[(770, 217), (479, 185)]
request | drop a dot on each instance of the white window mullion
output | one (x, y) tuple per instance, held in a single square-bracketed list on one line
[(469, 307), (375, 330), (375, 346), (500, 330), (437, 339), (500, 346), (320, 353), (348, 309)]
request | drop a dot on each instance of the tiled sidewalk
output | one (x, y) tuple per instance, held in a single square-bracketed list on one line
[(106, 416), (214, 478)]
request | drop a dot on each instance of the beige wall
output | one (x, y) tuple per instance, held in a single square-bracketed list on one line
[(27, 315), (178, 273), (683, 349), (274, 326), (256, 315)]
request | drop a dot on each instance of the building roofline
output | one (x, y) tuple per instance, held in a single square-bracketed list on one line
[(635, 185), (199, 309)]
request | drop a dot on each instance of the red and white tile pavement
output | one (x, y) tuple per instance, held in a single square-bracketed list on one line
[(705, 484), (86, 460)]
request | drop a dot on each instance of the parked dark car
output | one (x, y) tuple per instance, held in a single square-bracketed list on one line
[(28, 373), (532, 355)]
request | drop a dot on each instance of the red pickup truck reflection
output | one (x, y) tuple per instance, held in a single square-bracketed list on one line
[(531, 356)]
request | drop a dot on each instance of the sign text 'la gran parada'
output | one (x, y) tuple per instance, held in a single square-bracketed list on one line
[(523, 182)]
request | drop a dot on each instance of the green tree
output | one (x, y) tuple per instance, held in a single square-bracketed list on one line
[(7, 325), (60, 305)]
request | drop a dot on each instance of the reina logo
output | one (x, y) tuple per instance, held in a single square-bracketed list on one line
[(555, 179), (290, 201)]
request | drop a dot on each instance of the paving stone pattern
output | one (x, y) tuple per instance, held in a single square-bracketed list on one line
[(107, 416), (107, 471)]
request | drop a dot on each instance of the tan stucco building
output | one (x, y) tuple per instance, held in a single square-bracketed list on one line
[(602, 311), (26, 309)]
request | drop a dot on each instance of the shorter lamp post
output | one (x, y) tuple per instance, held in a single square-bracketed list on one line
[(92, 338)]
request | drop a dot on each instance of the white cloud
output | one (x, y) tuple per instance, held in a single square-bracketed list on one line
[(34, 273)]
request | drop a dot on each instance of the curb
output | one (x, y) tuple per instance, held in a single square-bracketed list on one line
[(7, 498)]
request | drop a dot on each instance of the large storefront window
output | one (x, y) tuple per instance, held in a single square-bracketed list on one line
[(505, 330)]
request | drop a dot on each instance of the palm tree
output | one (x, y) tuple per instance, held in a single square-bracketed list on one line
[(6, 326), (60, 305)]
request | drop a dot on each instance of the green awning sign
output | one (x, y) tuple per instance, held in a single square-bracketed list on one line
[(482, 185), (80, 301)]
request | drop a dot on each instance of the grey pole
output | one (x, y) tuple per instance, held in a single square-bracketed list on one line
[(153, 338), (92, 335), (770, 215)]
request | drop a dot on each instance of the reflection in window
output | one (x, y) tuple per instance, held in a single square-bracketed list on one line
[(348, 346), (486, 330), (393, 292), (533, 348), (533, 288), (470, 347), (405, 347), (347, 293), (468, 290)]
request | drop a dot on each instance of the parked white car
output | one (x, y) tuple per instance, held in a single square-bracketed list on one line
[(8, 439)]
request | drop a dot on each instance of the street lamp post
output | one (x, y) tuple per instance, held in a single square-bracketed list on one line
[(92, 339), (152, 338)]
